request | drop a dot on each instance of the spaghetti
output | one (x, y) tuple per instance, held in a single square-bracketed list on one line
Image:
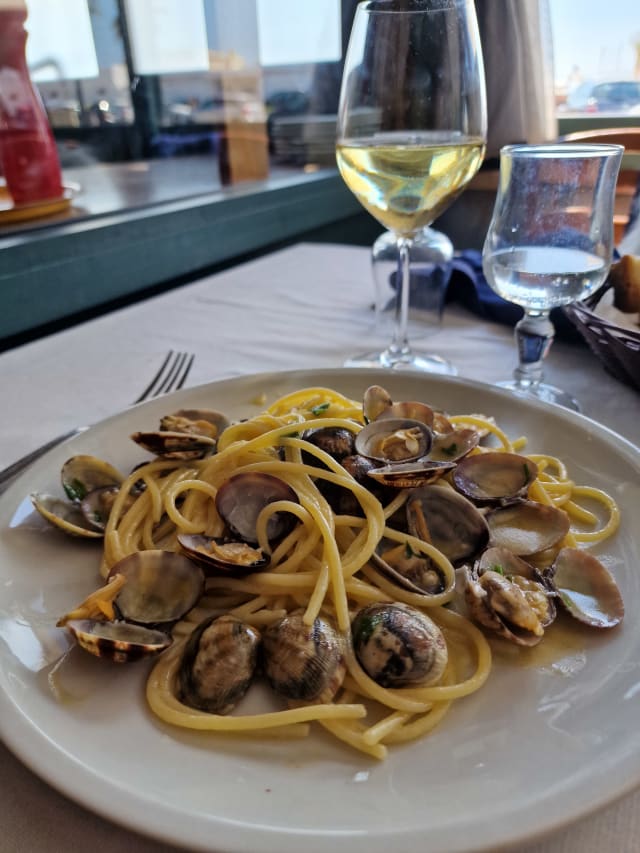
[(323, 566)]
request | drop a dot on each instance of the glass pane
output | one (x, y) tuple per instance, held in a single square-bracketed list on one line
[(596, 57), (155, 100)]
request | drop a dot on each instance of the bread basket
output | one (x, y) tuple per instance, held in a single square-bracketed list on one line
[(617, 347)]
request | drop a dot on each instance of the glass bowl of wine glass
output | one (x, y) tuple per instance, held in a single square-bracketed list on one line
[(550, 243)]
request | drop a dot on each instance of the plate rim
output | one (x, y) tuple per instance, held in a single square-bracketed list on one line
[(14, 726)]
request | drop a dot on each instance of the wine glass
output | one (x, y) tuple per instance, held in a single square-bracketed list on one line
[(411, 128), (549, 243)]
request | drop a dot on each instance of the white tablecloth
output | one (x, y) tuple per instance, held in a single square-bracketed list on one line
[(307, 306)]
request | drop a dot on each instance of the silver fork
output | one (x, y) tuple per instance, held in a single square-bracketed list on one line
[(171, 376)]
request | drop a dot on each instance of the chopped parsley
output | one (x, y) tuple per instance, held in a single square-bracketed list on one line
[(294, 434), (75, 490), (318, 410), (527, 472), (409, 552), (451, 450), (498, 569)]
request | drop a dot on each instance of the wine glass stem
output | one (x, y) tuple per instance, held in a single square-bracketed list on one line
[(399, 346), (534, 335)]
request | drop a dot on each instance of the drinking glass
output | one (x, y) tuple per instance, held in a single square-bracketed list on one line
[(411, 128), (550, 243)]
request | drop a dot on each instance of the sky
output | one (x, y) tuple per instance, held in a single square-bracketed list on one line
[(595, 35)]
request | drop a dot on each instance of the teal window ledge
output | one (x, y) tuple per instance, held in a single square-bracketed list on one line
[(61, 271)]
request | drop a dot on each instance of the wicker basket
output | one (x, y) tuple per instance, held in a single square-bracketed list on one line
[(617, 348)]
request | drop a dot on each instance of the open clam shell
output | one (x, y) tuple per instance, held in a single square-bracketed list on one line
[(83, 473), (494, 476), (505, 608), (587, 588), (411, 475), (65, 515), (175, 445), (415, 571), (221, 555), (241, 499), (454, 445), (206, 422), (394, 440), (527, 527), (161, 587), (120, 642), (439, 515)]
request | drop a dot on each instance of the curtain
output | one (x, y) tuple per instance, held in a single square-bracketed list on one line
[(518, 59)]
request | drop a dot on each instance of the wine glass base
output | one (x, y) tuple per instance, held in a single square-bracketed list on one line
[(425, 362), (547, 393)]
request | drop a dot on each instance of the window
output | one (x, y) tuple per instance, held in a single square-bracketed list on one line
[(596, 58)]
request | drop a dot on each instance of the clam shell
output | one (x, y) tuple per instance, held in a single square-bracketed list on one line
[(161, 587), (448, 520), (494, 477), (218, 663), (303, 662), (65, 515), (118, 641), (241, 499), (394, 440), (222, 555), (587, 588), (83, 473), (398, 645), (527, 527), (411, 475)]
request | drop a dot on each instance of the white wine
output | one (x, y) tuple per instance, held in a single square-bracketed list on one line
[(544, 277), (407, 180)]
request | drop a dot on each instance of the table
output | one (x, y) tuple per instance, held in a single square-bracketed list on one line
[(310, 307)]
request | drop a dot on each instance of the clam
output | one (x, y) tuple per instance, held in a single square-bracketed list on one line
[(512, 610), (453, 445), (527, 527), (336, 441), (161, 587), (82, 474), (505, 562), (120, 642), (175, 445), (241, 499), (411, 475), (185, 434), (65, 515), (197, 421), (217, 664), (223, 555), (447, 520), (413, 570), (391, 440), (377, 403), (587, 589), (398, 645), (96, 506), (494, 477), (303, 662)]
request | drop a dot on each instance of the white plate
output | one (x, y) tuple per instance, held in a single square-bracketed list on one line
[(535, 748)]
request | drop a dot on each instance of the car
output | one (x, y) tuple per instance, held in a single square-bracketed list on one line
[(617, 96)]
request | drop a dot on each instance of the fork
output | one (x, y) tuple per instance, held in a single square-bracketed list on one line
[(171, 376)]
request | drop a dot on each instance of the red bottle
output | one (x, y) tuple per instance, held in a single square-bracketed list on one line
[(28, 152)]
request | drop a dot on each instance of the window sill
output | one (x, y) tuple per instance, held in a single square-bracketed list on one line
[(56, 272)]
